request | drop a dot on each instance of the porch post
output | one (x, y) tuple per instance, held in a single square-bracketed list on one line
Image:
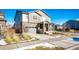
[(43, 27), (48, 26)]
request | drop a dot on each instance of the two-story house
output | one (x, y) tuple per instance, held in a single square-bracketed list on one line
[(32, 22)]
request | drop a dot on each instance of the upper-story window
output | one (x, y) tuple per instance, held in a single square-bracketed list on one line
[(35, 17), (1, 17)]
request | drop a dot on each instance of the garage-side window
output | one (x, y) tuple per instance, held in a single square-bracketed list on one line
[(35, 17)]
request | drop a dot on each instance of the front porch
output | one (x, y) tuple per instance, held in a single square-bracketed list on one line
[(42, 27)]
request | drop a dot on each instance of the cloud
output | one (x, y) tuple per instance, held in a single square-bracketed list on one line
[(10, 23), (77, 19)]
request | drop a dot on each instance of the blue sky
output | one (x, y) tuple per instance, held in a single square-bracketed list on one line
[(58, 16)]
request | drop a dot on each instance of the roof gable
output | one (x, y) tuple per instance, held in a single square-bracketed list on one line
[(42, 12)]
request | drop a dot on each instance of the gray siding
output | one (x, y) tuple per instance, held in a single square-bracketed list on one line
[(35, 18)]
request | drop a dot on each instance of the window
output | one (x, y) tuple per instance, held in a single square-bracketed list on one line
[(34, 17), (2, 17)]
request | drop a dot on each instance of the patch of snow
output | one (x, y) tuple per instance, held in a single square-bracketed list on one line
[(34, 39), (40, 44), (2, 42)]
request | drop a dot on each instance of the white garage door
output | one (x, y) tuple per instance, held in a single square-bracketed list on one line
[(32, 30)]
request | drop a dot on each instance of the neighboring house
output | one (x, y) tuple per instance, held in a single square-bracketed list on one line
[(59, 27), (2, 23), (32, 22), (71, 24)]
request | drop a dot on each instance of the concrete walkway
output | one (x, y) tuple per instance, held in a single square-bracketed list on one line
[(18, 45)]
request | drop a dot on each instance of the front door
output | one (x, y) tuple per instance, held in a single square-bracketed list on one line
[(46, 26), (39, 28)]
